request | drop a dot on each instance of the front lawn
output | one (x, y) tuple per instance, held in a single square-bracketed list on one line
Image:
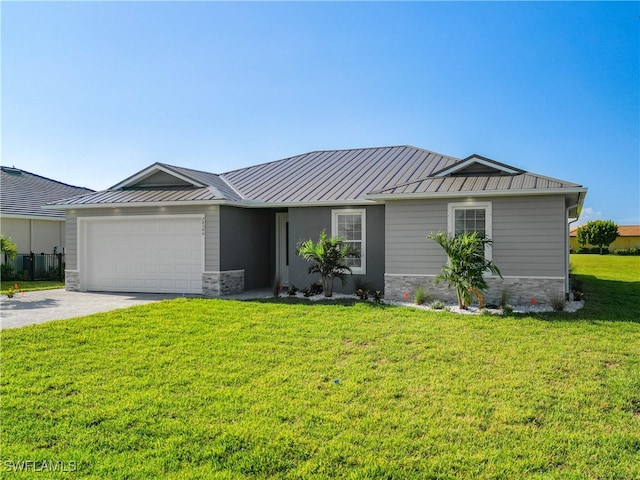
[(194, 388)]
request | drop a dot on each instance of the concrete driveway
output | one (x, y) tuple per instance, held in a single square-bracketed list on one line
[(46, 305)]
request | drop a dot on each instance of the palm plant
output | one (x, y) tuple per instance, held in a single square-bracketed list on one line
[(328, 257), (466, 266)]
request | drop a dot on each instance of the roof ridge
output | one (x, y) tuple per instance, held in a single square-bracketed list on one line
[(232, 187), (334, 150), (3, 167), (186, 168)]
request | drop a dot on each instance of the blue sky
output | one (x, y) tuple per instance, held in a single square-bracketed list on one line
[(94, 92)]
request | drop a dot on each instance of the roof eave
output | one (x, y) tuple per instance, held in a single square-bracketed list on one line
[(31, 216), (241, 204), (136, 204), (476, 193)]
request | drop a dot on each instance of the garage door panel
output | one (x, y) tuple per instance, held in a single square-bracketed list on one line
[(163, 255)]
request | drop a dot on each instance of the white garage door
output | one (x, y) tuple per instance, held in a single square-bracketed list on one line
[(143, 254)]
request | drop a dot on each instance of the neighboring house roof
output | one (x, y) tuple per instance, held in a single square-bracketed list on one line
[(623, 231), (22, 194), (352, 176)]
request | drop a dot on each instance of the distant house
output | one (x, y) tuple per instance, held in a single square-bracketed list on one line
[(628, 237), (174, 229), (22, 194)]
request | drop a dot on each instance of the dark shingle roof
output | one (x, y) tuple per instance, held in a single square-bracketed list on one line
[(23, 193)]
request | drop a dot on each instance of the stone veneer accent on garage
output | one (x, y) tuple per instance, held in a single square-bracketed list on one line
[(520, 289), (215, 284), (72, 280)]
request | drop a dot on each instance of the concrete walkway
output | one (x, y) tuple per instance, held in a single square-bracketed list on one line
[(58, 304)]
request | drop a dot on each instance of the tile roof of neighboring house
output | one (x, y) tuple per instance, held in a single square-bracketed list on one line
[(329, 176), (623, 231), (23, 193)]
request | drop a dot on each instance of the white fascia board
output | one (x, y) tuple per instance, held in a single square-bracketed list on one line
[(138, 204), (147, 172), (241, 204), (319, 203), (483, 193), (32, 217), (472, 160)]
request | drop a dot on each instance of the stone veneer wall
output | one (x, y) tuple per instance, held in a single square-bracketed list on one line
[(72, 280), (215, 284), (520, 290)]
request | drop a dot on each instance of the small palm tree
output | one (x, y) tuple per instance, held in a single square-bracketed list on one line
[(466, 266), (328, 257)]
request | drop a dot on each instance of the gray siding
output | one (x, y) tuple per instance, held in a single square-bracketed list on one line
[(212, 228), (308, 222), (528, 235), (71, 240), (407, 224), (247, 243)]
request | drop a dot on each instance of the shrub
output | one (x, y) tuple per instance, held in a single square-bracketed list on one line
[(362, 294), (507, 309), (315, 288), (627, 251), (557, 303), (12, 290), (292, 290), (437, 305), (377, 297), (505, 295), (7, 272), (420, 297)]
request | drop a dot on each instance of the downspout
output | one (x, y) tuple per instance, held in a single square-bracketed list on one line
[(567, 248)]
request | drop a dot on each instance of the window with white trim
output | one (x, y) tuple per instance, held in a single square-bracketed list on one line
[(350, 225), (471, 217)]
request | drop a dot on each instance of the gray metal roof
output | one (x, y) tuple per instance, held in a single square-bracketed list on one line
[(480, 183), (217, 182), (145, 195), (24, 193), (335, 175), (328, 176)]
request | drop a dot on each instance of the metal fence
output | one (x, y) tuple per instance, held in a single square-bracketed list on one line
[(34, 266)]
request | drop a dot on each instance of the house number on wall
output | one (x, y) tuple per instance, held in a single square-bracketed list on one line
[(203, 226)]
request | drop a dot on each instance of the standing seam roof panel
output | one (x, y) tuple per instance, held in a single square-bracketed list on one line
[(356, 189), (321, 184)]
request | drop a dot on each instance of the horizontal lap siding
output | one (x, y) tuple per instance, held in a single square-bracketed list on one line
[(528, 235), (407, 224), (71, 241), (212, 228)]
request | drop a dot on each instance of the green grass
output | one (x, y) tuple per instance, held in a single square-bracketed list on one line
[(194, 388), (27, 286)]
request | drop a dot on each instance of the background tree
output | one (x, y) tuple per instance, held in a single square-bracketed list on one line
[(466, 266), (600, 233), (8, 247), (328, 257)]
